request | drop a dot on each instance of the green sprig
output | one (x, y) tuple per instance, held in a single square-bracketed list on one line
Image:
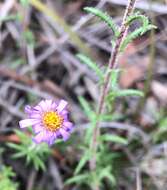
[(86, 60), (146, 26), (104, 17)]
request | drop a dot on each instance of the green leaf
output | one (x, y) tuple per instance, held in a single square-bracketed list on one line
[(89, 133), (163, 124), (78, 179), (105, 117), (19, 155), (110, 117), (114, 78), (130, 92), (14, 146), (146, 26), (106, 173), (161, 133), (83, 161), (28, 159), (29, 37), (124, 93), (114, 139), (5, 179), (1, 150), (111, 178), (8, 172), (24, 3), (90, 64), (17, 63), (104, 17), (87, 108), (137, 16), (9, 17), (130, 37), (34, 154), (39, 164)]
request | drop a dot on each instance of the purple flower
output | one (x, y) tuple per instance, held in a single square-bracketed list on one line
[(49, 121)]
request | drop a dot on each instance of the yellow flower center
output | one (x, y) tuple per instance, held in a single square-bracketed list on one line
[(52, 121)]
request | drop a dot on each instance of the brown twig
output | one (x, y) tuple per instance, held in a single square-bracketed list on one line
[(45, 85), (112, 64)]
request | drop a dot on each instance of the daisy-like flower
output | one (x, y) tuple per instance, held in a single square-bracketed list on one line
[(49, 121)]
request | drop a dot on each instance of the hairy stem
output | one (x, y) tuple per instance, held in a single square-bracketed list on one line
[(111, 65)]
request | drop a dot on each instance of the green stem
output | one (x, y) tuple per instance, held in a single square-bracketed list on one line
[(111, 65)]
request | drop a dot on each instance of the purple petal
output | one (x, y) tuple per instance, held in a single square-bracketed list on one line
[(35, 115), (38, 138), (57, 134), (52, 139), (48, 136), (48, 105), (68, 125), (42, 136), (28, 109), (37, 128), (28, 122), (37, 109), (64, 114), (64, 134), (43, 106), (53, 106), (62, 105)]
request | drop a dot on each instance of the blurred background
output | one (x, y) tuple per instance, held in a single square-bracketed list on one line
[(39, 41)]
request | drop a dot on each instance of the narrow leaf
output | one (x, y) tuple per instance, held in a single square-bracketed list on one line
[(146, 26), (114, 138), (104, 17), (114, 78), (90, 64), (106, 173), (19, 155), (130, 37), (124, 93), (130, 92), (77, 179), (15, 146), (82, 162), (86, 107)]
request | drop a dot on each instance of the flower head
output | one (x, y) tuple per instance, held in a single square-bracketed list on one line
[(49, 121)]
